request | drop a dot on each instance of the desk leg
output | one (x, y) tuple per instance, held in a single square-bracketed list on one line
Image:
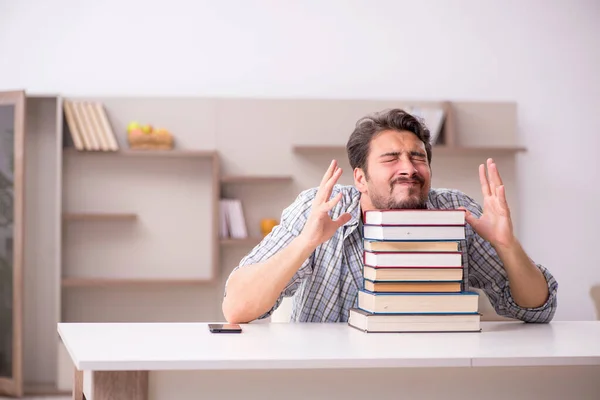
[(78, 385), (120, 385)]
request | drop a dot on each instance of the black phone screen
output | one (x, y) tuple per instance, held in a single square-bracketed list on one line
[(225, 328)]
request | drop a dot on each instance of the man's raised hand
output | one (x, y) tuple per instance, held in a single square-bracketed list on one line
[(320, 227)]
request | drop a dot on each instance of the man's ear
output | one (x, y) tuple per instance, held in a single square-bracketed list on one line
[(360, 180)]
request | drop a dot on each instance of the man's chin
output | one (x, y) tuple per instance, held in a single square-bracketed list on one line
[(409, 203)]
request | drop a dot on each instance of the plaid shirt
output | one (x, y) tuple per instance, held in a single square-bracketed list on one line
[(326, 286)]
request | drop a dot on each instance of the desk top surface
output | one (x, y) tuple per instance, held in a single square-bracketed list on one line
[(187, 346)]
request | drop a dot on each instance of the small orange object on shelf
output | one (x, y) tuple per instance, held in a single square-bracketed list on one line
[(267, 225), (146, 137)]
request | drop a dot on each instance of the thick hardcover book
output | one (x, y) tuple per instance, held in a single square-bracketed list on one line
[(414, 217), (369, 322), (412, 274), (413, 259), (433, 302), (413, 232), (410, 246), (413, 286)]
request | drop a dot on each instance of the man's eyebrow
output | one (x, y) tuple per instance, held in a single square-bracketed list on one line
[(390, 154), (397, 153)]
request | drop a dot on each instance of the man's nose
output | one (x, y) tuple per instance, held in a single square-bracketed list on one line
[(406, 167)]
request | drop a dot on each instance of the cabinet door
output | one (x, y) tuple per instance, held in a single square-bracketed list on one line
[(12, 149)]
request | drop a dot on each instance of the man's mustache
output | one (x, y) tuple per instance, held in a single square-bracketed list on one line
[(403, 179)]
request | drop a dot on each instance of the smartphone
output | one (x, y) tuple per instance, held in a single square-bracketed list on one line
[(225, 328)]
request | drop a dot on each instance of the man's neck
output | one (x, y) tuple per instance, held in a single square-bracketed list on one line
[(365, 204)]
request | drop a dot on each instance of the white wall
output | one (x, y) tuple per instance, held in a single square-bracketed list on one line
[(543, 55)]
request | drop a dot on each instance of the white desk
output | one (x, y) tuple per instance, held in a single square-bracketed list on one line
[(335, 358)]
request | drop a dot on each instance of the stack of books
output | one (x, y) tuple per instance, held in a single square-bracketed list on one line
[(89, 126), (413, 274)]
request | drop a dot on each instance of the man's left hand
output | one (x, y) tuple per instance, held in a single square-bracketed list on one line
[(495, 224)]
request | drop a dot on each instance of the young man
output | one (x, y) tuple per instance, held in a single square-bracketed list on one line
[(316, 250)]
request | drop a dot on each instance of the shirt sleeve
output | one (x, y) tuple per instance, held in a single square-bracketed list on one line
[(293, 219), (486, 272)]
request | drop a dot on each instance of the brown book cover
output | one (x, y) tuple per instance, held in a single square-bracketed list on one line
[(412, 274), (395, 286)]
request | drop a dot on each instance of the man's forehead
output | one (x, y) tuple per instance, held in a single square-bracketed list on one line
[(396, 136), (399, 146)]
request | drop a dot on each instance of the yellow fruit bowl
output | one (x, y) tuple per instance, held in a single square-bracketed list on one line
[(147, 138)]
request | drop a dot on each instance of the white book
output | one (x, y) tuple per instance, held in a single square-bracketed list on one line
[(223, 220), (237, 226), (369, 322), (415, 217), (433, 118), (407, 259), (399, 232), (435, 302)]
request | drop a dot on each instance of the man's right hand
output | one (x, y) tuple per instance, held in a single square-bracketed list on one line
[(319, 226), (254, 289)]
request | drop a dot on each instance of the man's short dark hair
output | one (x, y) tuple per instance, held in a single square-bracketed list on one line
[(368, 127)]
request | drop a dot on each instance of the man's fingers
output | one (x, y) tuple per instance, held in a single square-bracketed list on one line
[(331, 203), (501, 194), (329, 172), (485, 186), (494, 174), (321, 196), (326, 189), (342, 219), (471, 219), (491, 181)]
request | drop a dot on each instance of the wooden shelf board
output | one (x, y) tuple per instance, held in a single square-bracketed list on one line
[(458, 150), (317, 148), (99, 216), (148, 153), (97, 282), (436, 149), (256, 179), (251, 241)]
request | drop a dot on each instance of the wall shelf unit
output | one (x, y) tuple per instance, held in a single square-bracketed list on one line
[(147, 153), (157, 254)]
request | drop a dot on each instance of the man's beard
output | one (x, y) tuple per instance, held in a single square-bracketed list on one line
[(417, 201)]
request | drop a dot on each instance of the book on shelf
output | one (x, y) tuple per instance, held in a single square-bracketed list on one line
[(232, 221), (89, 126), (413, 273), (433, 117), (223, 220)]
